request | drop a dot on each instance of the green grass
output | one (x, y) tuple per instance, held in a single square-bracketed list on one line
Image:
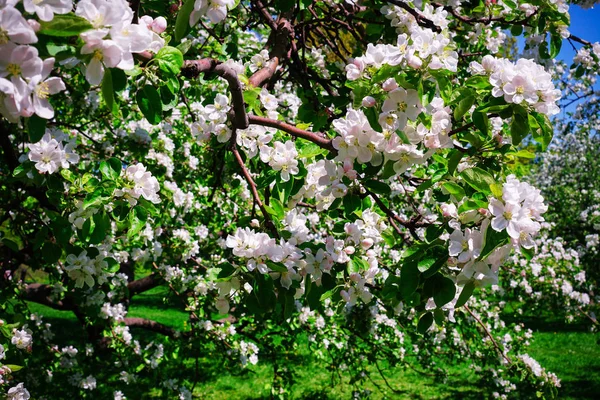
[(568, 351)]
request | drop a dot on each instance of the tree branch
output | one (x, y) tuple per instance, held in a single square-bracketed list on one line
[(421, 20), (317, 138), (257, 200), (150, 325), (193, 68)]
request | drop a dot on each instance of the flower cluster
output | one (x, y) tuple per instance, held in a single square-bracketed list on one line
[(519, 212), (523, 82), (83, 269), (215, 10), (212, 119), (138, 182), (25, 84), (281, 157), (114, 39), (50, 154)]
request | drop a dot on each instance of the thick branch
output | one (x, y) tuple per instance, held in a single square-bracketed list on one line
[(150, 325), (40, 293), (193, 68), (317, 138), (143, 284), (280, 47)]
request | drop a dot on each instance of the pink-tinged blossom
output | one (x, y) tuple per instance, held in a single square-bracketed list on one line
[(105, 53), (45, 9), (42, 87), (14, 28)]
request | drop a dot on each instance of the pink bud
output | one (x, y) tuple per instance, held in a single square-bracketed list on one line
[(366, 243), (146, 19), (483, 212), (414, 61), (349, 250), (34, 25), (345, 296), (368, 102), (449, 210), (254, 223), (355, 277), (389, 85), (159, 25)]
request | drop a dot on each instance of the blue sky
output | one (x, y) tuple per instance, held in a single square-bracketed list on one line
[(586, 25)]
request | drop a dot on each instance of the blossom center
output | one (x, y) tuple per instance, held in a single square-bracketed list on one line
[(4, 36), (42, 90), (98, 55), (14, 69), (507, 215)]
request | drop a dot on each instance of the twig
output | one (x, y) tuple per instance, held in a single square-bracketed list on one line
[(254, 191), (487, 332)]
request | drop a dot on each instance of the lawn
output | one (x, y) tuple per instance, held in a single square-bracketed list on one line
[(568, 351)]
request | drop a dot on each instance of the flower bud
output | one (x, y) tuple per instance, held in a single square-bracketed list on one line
[(254, 223), (159, 25), (449, 210), (368, 102), (34, 25), (414, 61), (349, 250), (389, 85), (146, 19), (366, 243)]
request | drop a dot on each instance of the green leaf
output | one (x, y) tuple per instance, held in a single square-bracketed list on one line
[(493, 240), (454, 160), (377, 187), (182, 23), (555, 44), (425, 322), (482, 122), (478, 82), (444, 290), (409, 279), (541, 128), (169, 59), (463, 106), (465, 294), (472, 204), (101, 228), (478, 179), (119, 79), (36, 127), (108, 92), (351, 203), (519, 127), (150, 104), (454, 189), (277, 267), (111, 169), (64, 26), (51, 252)]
